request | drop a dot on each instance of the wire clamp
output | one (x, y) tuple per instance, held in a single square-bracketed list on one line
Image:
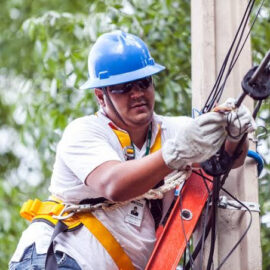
[(234, 205)]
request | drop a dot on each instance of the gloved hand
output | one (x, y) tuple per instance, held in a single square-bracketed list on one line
[(197, 141), (239, 120)]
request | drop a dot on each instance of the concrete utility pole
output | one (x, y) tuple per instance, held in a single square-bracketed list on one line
[(214, 24)]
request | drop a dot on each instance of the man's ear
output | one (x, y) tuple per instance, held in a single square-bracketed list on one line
[(100, 96)]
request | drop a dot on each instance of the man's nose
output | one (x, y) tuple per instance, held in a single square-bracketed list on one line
[(136, 91)]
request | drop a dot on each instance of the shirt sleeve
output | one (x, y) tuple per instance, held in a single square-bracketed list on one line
[(85, 145)]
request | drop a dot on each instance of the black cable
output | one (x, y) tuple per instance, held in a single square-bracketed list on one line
[(235, 57), (243, 234), (246, 230), (244, 24), (205, 232), (257, 108), (184, 259), (248, 34), (215, 198), (204, 181), (183, 228), (240, 30), (206, 229), (215, 90), (200, 245)]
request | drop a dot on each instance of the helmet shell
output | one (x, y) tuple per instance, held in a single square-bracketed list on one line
[(118, 57)]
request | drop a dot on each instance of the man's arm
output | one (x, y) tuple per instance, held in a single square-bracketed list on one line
[(120, 181), (230, 148), (195, 142)]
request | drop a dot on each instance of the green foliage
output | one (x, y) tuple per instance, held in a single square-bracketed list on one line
[(260, 45), (44, 48)]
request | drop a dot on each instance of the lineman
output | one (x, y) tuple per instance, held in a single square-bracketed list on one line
[(118, 154)]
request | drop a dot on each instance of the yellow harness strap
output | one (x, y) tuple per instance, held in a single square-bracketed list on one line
[(36, 210), (125, 141), (123, 137), (157, 144), (107, 240)]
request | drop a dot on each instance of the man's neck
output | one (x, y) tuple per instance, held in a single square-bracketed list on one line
[(138, 135)]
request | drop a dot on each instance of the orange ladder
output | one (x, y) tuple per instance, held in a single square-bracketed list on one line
[(172, 240)]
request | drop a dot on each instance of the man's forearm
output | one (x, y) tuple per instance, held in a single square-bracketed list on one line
[(231, 147)]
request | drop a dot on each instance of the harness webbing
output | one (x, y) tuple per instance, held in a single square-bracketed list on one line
[(45, 211), (155, 206)]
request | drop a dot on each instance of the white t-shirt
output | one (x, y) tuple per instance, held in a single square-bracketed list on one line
[(88, 142)]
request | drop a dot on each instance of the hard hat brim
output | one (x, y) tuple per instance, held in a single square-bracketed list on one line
[(123, 78)]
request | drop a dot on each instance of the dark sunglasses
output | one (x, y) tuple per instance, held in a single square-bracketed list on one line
[(126, 87)]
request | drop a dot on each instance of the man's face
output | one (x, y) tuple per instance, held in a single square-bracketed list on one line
[(134, 102)]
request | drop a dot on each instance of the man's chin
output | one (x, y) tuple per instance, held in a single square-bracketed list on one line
[(140, 120)]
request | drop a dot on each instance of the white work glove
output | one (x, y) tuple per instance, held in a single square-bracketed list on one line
[(197, 141), (239, 120)]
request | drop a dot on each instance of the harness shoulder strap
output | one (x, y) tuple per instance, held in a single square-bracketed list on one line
[(108, 241), (125, 141), (157, 144), (155, 206)]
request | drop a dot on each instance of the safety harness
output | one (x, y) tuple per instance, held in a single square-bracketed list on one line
[(53, 211), (155, 206)]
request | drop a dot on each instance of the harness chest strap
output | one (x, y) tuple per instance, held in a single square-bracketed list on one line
[(36, 210), (155, 206), (125, 141)]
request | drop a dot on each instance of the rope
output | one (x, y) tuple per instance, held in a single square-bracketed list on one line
[(171, 181)]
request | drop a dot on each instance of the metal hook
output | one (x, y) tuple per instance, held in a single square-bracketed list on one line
[(64, 210), (256, 139), (264, 132)]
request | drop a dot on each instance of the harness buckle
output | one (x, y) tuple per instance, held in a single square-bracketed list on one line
[(129, 152)]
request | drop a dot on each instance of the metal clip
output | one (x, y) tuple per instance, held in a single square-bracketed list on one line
[(261, 132), (80, 208), (64, 210), (129, 152), (234, 205)]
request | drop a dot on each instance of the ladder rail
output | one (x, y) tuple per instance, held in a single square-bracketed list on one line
[(172, 241)]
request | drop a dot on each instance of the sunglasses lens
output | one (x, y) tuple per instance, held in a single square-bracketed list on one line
[(122, 88), (145, 83), (127, 87)]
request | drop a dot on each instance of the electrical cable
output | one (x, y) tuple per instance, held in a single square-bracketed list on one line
[(243, 234), (217, 91), (205, 228), (215, 198), (210, 102), (245, 231), (212, 99), (235, 57), (183, 229)]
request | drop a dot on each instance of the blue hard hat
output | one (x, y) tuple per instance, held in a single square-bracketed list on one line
[(119, 57)]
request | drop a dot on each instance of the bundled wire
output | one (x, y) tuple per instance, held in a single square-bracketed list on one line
[(209, 222), (207, 228), (234, 50)]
